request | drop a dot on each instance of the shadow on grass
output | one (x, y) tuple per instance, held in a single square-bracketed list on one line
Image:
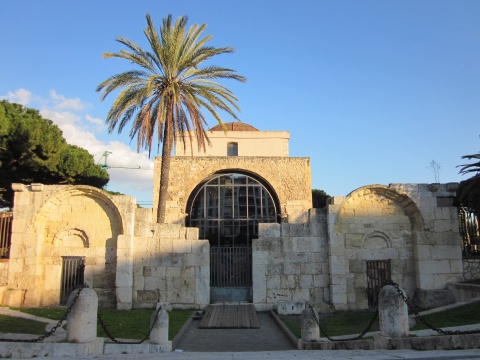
[(122, 324)]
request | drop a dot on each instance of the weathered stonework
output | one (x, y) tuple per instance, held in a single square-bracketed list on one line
[(471, 269), (290, 262), (310, 256), (320, 259), (289, 177)]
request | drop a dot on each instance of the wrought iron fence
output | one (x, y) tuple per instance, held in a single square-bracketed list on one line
[(5, 233), (470, 232)]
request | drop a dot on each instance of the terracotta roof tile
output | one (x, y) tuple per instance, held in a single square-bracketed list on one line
[(235, 126)]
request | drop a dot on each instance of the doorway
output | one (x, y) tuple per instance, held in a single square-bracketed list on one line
[(227, 209), (73, 274)]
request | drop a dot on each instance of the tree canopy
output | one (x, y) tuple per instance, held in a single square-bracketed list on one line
[(33, 150), (319, 198), (166, 91), (469, 190)]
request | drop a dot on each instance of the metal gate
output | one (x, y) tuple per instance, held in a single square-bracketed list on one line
[(378, 274), (5, 233), (231, 273), (73, 268)]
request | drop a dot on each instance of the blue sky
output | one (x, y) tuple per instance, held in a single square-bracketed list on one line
[(371, 91)]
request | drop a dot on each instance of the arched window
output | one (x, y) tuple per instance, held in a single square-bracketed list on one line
[(228, 208), (232, 149)]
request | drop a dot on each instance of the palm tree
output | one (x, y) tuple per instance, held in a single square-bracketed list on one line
[(167, 90), (468, 192)]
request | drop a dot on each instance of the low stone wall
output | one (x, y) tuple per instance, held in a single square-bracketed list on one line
[(464, 292), (171, 265), (290, 263), (447, 342)]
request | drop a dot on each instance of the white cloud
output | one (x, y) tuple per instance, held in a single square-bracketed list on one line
[(99, 124), (123, 161), (94, 120), (62, 103), (21, 96), (83, 130)]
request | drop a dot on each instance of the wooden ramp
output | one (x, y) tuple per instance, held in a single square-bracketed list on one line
[(229, 317)]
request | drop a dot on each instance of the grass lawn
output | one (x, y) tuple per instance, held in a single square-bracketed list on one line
[(10, 324), (335, 324), (354, 322), (122, 324), (463, 315)]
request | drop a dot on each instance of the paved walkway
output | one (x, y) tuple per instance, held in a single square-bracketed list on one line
[(268, 342), (266, 338)]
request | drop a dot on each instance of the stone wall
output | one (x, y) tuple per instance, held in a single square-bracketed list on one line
[(56, 221), (471, 269), (3, 272), (315, 256), (374, 227), (171, 265), (289, 178), (413, 225), (290, 263)]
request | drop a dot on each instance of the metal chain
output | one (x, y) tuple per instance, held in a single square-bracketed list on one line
[(419, 317), (53, 329), (362, 334), (110, 336)]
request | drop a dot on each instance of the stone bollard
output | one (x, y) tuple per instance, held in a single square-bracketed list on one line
[(82, 319), (393, 313), (159, 333), (310, 329)]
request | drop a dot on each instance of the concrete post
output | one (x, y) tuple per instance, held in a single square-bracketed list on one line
[(82, 319), (393, 313), (310, 329), (159, 333)]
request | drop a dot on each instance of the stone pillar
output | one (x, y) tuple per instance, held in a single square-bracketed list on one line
[(159, 334), (82, 319), (393, 313), (310, 329)]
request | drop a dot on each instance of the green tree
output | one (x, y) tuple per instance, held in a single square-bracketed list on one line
[(469, 190), (319, 198), (168, 89), (32, 149)]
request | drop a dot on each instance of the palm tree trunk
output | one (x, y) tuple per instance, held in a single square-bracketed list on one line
[(165, 171)]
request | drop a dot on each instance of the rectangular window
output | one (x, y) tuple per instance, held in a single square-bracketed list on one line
[(232, 149)]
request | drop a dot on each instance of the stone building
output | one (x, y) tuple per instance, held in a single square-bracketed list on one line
[(239, 227)]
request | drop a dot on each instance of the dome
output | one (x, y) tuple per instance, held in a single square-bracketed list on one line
[(234, 126)]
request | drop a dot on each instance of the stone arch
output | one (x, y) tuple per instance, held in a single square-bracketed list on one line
[(404, 201), (64, 236), (78, 221), (290, 177), (51, 203), (369, 242), (376, 222), (265, 188), (206, 174)]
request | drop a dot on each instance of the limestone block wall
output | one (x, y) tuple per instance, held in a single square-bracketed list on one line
[(438, 251), (3, 272), (289, 177), (373, 227), (290, 262), (413, 225), (55, 221), (171, 265)]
